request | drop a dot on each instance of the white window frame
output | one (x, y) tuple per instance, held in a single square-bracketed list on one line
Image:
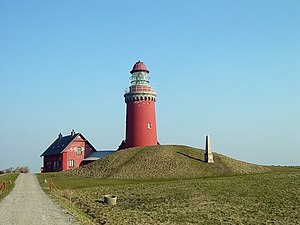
[(71, 163)]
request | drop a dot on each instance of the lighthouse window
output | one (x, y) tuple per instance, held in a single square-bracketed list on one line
[(149, 125)]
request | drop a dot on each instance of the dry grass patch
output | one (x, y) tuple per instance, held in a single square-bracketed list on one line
[(162, 161)]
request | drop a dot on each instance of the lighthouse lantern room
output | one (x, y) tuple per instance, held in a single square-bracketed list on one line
[(140, 100)]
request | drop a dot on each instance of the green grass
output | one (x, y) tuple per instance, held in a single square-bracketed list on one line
[(66, 184), (9, 185), (266, 198), (172, 185)]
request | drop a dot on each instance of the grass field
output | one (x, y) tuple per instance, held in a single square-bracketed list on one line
[(9, 186), (265, 198)]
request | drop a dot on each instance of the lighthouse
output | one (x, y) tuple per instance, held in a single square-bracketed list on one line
[(140, 100)]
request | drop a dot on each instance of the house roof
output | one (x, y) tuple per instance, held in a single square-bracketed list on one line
[(59, 145), (98, 154)]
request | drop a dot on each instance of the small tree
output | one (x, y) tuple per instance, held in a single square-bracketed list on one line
[(9, 170), (16, 170), (24, 169)]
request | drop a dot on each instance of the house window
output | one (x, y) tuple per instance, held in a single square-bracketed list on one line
[(149, 126), (79, 151), (71, 163), (57, 163)]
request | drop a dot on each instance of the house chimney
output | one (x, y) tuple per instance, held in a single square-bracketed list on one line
[(73, 132), (60, 136)]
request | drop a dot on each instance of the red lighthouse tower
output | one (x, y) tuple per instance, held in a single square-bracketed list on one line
[(140, 99)]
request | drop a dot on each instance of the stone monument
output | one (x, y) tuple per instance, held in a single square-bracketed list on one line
[(208, 156)]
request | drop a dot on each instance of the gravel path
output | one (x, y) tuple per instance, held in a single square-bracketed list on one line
[(27, 204)]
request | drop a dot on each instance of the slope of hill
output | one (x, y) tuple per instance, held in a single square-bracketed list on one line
[(162, 161)]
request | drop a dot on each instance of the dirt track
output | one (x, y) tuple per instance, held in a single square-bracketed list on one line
[(27, 204)]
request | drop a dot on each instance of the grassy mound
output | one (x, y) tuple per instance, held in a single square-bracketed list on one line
[(162, 161)]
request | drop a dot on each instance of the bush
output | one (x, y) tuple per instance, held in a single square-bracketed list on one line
[(9, 170), (23, 169)]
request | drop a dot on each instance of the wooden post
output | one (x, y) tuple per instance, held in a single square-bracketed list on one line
[(51, 184)]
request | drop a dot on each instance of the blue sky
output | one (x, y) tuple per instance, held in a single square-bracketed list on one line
[(225, 68)]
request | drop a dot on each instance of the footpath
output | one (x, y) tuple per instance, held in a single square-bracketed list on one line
[(27, 204)]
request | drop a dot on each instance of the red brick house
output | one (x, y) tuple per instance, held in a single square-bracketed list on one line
[(67, 152)]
